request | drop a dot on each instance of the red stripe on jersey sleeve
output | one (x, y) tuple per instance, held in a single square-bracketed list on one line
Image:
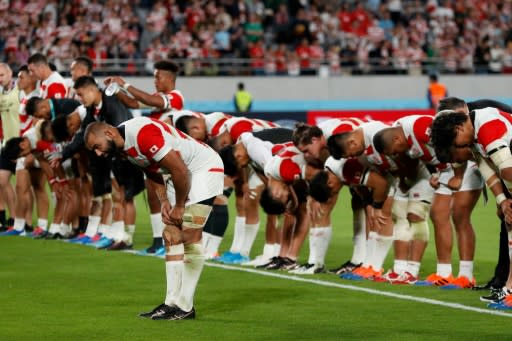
[(490, 132), (56, 90), (421, 128), (175, 100), (342, 128), (239, 128), (150, 140), (289, 170)]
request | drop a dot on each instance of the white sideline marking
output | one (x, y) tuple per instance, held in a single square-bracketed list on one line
[(367, 290)]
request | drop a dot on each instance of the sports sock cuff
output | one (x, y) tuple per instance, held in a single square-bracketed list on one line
[(176, 250), (42, 223)]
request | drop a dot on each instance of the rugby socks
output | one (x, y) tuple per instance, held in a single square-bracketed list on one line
[(400, 266), (65, 229), (238, 235), (212, 248), (117, 231), (318, 247), (277, 250), (251, 230), (444, 270), (370, 248), (510, 244), (92, 226), (221, 215), (174, 274), (466, 269), (413, 268), (19, 224), (82, 224), (359, 239), (3, 221), (157, 226), (382, 246), (193, 266), (43, 223), (54, 228)]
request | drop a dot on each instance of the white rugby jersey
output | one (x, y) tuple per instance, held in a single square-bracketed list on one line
[(381, 161), (287, 165), (53, 87), (416, 129), (236, 126), (147, 141), (214, 122), (176, 115), (350, 171), (335, 126), (173, 100), (25, 120), (493, 130)]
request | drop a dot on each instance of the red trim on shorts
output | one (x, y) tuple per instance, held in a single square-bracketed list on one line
[(220, 170)]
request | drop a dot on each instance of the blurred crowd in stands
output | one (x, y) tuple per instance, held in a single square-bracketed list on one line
[(292, 37)]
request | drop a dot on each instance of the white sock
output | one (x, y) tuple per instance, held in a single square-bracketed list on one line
[(238, 235), (213, 245), (370, 248), (413, 268), (117, 230), (251, 230), (174, 273), (277, 250), (42, 223), (65, 229), (323, 238), (19, 224), (193, 266), (466, 269), (382, 246), (105, 230), (92, 225), (312, 245), (510, 244), (206, 240), (268, 251), (400, 266), (359, 239), (54, 228), (444, 270), (157, 226)]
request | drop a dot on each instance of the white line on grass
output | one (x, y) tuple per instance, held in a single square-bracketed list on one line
[(367, 290)]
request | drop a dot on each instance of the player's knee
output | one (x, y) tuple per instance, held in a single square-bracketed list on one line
[(172, 235), (461, 216), (96, 205), (402, 230), (194, 250), (399, 210), (420, 230)]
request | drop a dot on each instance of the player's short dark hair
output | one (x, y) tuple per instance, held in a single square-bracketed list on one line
[(336, 144), (42, 129), (31, 106), (450, 103), (443, 133), (301, 189), (52, 66), (11, 150), (318, 188), (228, 158), (23, 68), (84, 81), (167, 65), (85, 61), (304, 133), (381, 140), (37, 58), (182, 123), (433, 77), (271, 205), (60, 129)]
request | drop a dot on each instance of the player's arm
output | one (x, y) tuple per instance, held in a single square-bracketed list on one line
[(173, 163), (379, 186), (493, 182), (156, 101), (127, 101)]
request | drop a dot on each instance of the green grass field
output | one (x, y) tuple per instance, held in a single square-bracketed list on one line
[(52, 290)]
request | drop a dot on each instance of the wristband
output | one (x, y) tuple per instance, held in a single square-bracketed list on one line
[(457, 165), (500, 198), (126, 86), (377, 205), (53, 180)]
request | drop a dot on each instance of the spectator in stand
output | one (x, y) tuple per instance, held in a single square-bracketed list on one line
[(304, 53), (253, 29), (257, 55)]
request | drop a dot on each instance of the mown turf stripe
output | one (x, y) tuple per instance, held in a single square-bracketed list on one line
[(366, 290)]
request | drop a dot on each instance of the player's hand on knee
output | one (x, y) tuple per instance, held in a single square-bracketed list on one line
[(176, 216), (165, 209), (506, 209)]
